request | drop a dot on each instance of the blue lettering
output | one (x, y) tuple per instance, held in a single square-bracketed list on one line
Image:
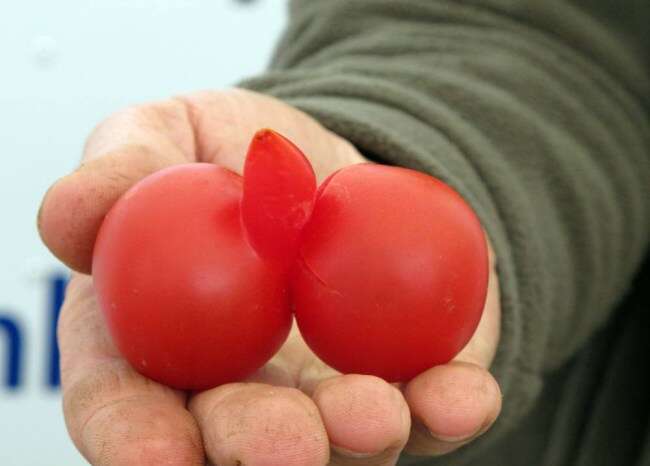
[(56, 294), (12, 333), (14, 350)]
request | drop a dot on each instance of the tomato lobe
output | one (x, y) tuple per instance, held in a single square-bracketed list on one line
[(187, 300), (392, 275)]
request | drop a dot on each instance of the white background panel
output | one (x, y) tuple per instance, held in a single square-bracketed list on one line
[(63, 67)]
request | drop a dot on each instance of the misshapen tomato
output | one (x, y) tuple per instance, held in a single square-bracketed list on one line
[(192, 283), (196, 269), (392, 274)]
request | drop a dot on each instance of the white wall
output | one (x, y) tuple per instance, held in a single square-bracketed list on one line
[(63, 67)]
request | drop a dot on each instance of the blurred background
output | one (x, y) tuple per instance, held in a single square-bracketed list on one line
[(64, 66)]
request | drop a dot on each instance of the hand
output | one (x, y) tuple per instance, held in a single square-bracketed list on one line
[(293, 411)]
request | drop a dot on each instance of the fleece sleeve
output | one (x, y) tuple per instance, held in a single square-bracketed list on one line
[(531, 110)]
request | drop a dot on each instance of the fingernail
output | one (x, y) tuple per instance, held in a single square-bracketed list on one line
[(462, 438), (352, 454), (447, 439), (458, 438)]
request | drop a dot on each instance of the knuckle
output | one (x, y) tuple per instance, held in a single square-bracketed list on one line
[(133, 112), (132, 128), (84, 396), (114, 413)]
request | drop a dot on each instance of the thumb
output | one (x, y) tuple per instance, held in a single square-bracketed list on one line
[(122, 150), (213, 126)]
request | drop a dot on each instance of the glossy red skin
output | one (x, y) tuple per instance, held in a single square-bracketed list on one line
[(279, 190), (393, 272), (187, 300)]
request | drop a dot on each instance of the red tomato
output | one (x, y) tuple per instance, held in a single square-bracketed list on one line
[(392, 274), (188, 301), (191, 268)]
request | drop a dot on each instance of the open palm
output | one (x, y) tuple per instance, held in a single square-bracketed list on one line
[(293, 411)]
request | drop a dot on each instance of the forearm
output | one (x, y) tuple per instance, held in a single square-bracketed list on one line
[(547, 144)]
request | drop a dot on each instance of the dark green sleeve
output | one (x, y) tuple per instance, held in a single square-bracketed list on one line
[(532, 110)]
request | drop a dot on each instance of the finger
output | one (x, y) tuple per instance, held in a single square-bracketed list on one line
[(455, 403), (367, 419), (259, 425), (115, 416), (480, 350), (451, 405), (121, 151)]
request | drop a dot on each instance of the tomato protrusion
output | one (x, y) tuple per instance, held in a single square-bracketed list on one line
[(278, 196)]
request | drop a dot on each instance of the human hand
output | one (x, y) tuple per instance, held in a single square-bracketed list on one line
[(293, 411)]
